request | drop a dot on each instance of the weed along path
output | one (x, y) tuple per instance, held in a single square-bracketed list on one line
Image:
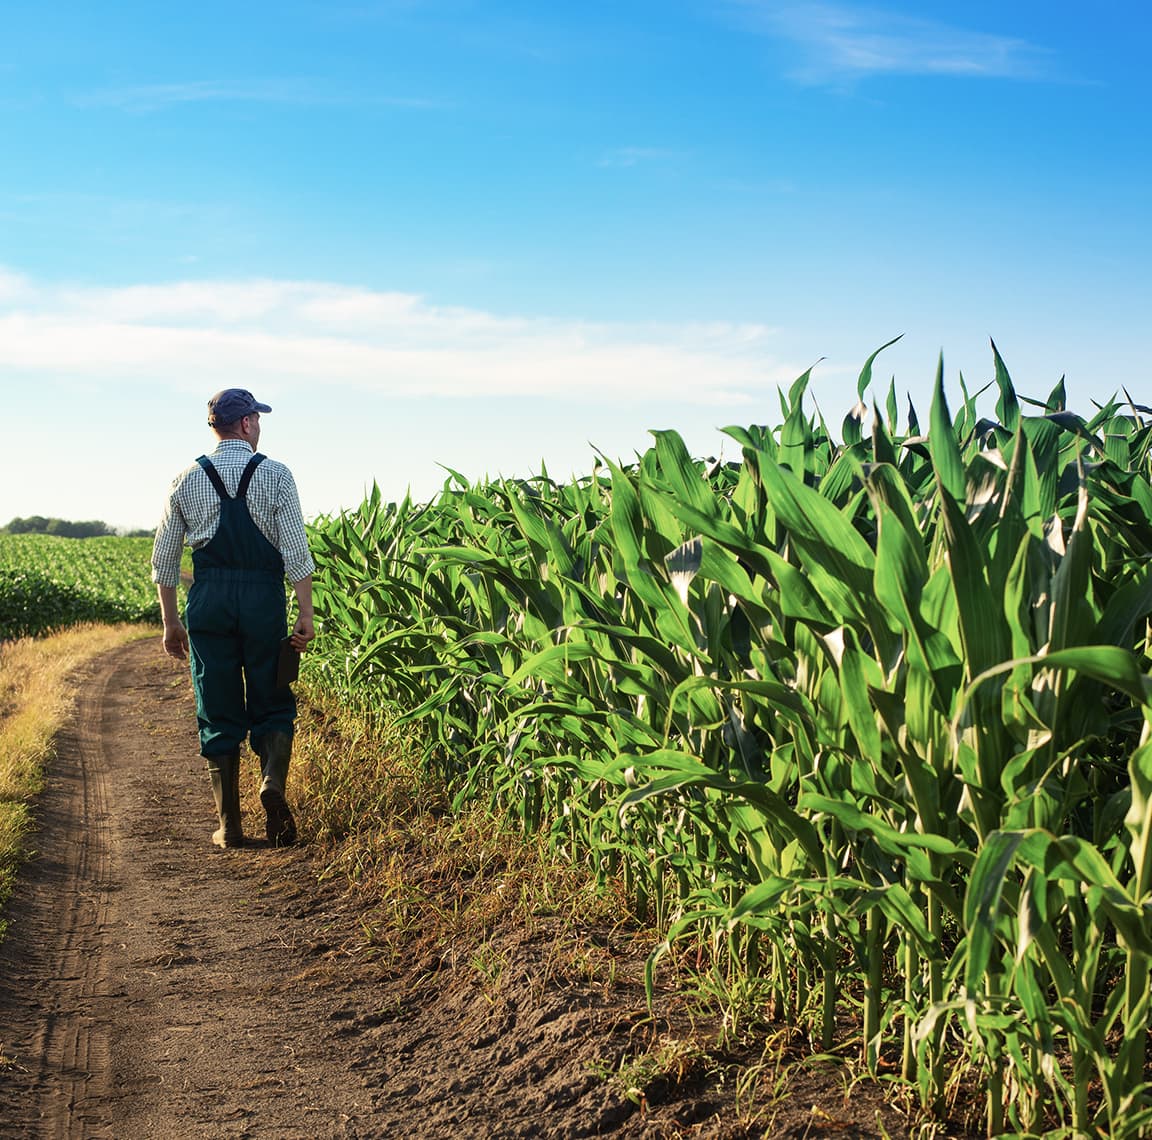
[(154, 986)]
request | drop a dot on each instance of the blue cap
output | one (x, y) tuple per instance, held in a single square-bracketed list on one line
[(232, 404)]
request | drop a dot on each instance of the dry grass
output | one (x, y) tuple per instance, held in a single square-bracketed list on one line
[(36, 692), (432, 882)]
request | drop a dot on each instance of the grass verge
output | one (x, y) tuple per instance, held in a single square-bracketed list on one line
[(423, 872), (36, 692), (445, 898)]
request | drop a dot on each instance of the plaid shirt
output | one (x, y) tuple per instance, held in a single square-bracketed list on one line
[(192, 512)]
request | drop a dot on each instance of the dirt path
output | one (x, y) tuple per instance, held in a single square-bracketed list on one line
[(154, 986), (148, 985)]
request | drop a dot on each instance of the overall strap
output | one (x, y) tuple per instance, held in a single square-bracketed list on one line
[(249, 471), (245, 478), (214, 475)]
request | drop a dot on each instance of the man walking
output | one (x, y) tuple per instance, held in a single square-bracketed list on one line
[(240, 513)]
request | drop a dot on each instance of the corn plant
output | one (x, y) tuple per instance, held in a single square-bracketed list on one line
[(869, 717)]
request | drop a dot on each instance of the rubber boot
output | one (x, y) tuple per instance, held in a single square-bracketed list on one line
[(275, 754), (225, 773)]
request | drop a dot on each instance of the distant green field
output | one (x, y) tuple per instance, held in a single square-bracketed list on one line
[(48, 583)]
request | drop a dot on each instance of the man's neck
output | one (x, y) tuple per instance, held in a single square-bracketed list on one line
[(239, 438)]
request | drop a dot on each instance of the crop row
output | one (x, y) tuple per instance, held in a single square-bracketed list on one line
[(49, 583), (868, 717)]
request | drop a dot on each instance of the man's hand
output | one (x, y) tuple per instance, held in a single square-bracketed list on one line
[(302, 633), (304, 629), (175, 635), (176, 640)]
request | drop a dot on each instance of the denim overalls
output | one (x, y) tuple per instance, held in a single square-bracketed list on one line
[(236, 617)]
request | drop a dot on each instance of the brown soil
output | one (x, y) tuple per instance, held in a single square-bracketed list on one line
[(152, 985)]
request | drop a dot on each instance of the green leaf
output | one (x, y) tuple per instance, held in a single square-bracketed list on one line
[(897, 905), (683, 473), (854, 819), (1007, 406), (942, 445), (1138, 821), (865, 377), (982, 900), (760, 900), (774, 808), (552, 664)]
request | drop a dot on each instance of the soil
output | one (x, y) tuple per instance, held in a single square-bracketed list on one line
[(152, 985)]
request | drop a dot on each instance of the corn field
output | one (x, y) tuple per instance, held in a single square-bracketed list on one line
[(48, 583), (869, 718)]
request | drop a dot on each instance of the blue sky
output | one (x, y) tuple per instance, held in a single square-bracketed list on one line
[(434, 233)]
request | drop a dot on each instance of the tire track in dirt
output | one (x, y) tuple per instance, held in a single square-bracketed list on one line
[(53, 957)]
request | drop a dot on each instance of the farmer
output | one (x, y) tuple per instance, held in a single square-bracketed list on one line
[(240, 513)]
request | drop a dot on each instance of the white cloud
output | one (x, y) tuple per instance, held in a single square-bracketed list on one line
[(626, 156), (181, 302), (13, 287), (218, 333), (149, 97), (839, 42)]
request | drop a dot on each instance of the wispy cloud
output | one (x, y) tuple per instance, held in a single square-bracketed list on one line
[(14, 288), (625, 156), (205, 333), (149, 97), (842, 42)]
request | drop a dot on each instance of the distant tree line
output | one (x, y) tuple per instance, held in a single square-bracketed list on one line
[(37, 524)]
